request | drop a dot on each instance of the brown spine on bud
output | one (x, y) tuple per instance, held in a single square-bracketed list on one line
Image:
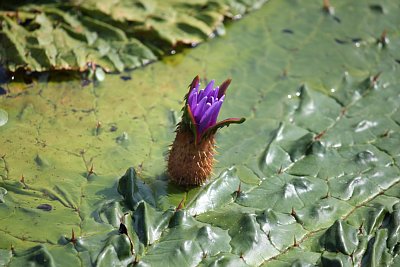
[(190, 164)]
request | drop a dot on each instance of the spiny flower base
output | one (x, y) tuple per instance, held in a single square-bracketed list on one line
[(190, 164)]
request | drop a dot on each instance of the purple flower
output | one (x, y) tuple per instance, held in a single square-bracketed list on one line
[(191, 158), (203, 107)]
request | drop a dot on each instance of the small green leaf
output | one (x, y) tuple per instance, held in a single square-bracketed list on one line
[(134, 190), (149, 223)]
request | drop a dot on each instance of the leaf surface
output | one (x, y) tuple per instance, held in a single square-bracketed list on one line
[(311, 178)]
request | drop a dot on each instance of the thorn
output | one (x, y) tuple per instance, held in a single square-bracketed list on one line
[(223, 87), (91, 171), (385, 134), (269, 235), (383, 39), (374, 79), (239, 190), (23, 181), (73, 239), (318, 136), (326, 7), (194, 83), (360, 229), (98, 126), (295, 244), (383, 35), (280, 170), (284, 74), (293, 212), (180, 205), (140, 167)]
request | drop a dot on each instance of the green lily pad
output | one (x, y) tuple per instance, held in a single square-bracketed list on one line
[(116, 35), (312, 177)]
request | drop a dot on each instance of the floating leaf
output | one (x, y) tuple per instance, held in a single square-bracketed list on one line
[(311, 179), (117, 36)]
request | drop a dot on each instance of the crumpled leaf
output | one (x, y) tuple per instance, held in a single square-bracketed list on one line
[(116, 35), (149, 223), (340, 237), (36, 256), (186, 243), (56, 39), (320, 144), (134, 190), (335, 259), (217, 194)]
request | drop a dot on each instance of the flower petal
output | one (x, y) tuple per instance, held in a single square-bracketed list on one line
[(223, 87), (194, 84), (193, 124), (192, 101), (201, 108), (214, 117), (209, 88), (210, 100), (215, 92), (205, 119), (201, 94), (199, 105), (202, 113)]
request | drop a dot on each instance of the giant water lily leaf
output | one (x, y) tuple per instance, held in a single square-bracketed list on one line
[(115, 35), (311, 178)]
